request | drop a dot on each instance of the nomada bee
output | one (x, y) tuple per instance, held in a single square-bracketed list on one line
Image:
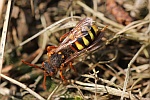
[(86, 36)]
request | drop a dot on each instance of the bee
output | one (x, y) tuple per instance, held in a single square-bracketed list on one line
[(86, 36)]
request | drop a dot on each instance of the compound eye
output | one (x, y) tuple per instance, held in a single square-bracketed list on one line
[(46, 64)]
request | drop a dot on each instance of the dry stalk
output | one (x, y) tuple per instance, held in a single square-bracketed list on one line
[(80, 92), (56, 88), (140, 68), (44, 42), (128, 70), (32, 7), (103, 80), (127, 28), (100, 88), (4, 33), (99, 15), (23, 86), (2, 3), (47, 29)]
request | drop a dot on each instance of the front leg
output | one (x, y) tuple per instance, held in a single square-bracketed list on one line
[(50, 50), (44, 80)]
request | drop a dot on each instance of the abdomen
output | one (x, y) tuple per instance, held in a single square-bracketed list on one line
[(87, 38)]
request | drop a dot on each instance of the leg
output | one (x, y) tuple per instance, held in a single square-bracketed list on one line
[(61, 75), (63, 36), (49, 48), (44, 81), (33, 65), (71, 66), (103, 29)]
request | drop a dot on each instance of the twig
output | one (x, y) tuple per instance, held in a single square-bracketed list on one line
[(100, 15), (11, 93), (126, 29), (36, 82), (146, 90), (128, 70), (100, 88), (106, 20), (23, 86), (45, 38), (141, 68), (103, 80), (50, 96), (32, 7), (4, 33), (95, 78), (2, 3), (5, 91), (80, 92), (46, 29)]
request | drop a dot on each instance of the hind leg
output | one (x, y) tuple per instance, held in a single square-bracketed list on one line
[(72, 67), (44, 80)]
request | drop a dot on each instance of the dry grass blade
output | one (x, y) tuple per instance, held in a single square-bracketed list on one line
[(103, 80), (99, 15), (2, 2), (32, 7), (50, 96), (128, 69), (46, 29), (136, 36), (45, 38), (23, 86), (100, 88), (4, 33)]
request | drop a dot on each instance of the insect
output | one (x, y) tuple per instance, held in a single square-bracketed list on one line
[(86, 36)]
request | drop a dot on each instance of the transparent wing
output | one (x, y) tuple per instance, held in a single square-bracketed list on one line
[(97, 44), (83, 25)]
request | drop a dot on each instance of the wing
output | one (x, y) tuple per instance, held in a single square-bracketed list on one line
[(83, 25), (94, 46)]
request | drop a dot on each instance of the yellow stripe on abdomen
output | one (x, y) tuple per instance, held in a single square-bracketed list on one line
[(79, 46), (91, 35), (95, 28), (86, 42)]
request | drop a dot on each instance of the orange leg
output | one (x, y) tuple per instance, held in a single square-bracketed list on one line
[(45, 74), (33, 65), (103, 29), (63, 36), (49, 48), (44, 80), (61, 75), (71, 66)]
